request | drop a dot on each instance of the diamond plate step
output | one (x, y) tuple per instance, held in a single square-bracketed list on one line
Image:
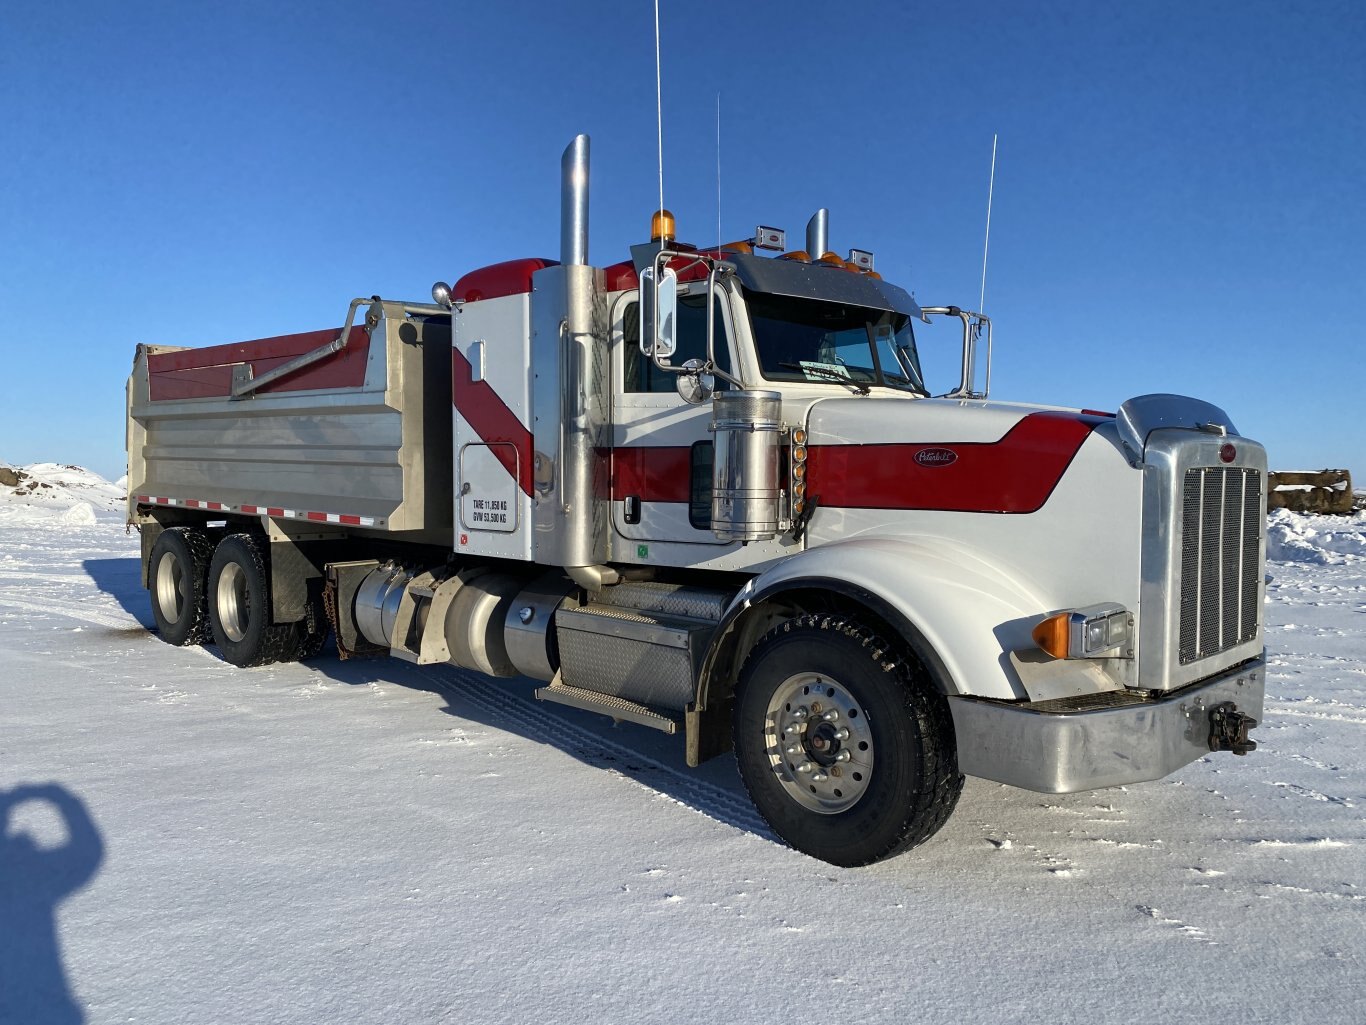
[(650, 597), (617, 708)]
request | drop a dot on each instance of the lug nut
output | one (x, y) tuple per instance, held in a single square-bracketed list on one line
[(819, 777), (842, 733), (800, 714), (843, 756), (831, 715), (793, 749), (805, 767)]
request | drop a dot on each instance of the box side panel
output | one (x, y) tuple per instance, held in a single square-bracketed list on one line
[(361, 448)]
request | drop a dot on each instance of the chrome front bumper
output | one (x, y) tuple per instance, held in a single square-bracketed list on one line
[(1056, 750)]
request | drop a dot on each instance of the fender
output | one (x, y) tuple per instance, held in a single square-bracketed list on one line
[(960, 614)]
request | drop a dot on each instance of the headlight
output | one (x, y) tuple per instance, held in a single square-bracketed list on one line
[(1093, 632)]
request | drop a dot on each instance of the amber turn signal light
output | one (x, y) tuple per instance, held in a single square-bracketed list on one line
[(1051, 634)]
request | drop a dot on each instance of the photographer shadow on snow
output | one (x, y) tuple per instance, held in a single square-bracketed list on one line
[(35, 877)]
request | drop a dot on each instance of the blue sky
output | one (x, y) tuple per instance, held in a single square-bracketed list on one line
[(1179, 198)]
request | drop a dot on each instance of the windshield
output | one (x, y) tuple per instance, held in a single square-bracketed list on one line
[(814, 341)]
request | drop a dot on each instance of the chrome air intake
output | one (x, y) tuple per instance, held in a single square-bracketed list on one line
[(745, 492)]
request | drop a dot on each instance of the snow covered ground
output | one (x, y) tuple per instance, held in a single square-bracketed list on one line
[(377, 842)]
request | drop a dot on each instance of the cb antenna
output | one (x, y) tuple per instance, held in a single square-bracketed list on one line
[(991, 187), (659, 110), (718, 172)]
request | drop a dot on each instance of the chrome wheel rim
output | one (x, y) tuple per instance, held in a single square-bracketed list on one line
[(818, 741), (232, 602), (171, 585)]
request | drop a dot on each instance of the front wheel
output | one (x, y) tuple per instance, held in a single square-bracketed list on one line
[(843, 745), (239, 606)]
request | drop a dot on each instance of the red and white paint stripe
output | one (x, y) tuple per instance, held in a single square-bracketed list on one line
[(273, 511)]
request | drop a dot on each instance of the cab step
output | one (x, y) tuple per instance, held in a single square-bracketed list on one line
[(617, 708)]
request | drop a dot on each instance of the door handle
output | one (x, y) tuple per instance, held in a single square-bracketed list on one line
[(630, 509)]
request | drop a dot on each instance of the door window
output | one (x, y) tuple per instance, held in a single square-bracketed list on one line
[(641, 373)]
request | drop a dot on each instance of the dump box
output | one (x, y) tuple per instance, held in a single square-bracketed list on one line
[(348, 427)]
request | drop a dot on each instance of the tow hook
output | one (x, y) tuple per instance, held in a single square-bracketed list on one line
[(1228, 729)]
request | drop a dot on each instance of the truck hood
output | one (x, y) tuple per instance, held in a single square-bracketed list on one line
[(943, 454)]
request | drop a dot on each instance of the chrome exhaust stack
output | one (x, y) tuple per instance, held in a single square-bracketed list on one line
[(818, 234), (574, 202), (570, 394)]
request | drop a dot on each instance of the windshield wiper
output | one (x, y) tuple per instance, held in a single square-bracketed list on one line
[(896, 380), (833, 375)]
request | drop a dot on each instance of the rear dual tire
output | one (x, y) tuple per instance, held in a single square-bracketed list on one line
[(240, 608), (177, 579)]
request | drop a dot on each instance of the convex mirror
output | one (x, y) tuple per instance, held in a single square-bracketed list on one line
[(693, 385)]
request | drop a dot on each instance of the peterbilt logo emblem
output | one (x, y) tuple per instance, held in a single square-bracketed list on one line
[(936, 456)]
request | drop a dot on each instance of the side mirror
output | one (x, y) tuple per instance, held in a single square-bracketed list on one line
[(658, 312), (693, 385)]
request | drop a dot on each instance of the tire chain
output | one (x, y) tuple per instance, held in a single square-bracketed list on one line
[(201, 551)]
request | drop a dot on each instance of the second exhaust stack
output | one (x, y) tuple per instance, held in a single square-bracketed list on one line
[(817, 233)]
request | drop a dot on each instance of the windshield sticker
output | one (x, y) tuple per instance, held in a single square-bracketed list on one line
[(816, 371)]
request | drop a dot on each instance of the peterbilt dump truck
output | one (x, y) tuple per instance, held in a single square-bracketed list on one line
[(708, 491)]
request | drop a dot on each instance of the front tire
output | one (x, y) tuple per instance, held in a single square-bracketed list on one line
[(844, 746), (176, 580), (239, 606)]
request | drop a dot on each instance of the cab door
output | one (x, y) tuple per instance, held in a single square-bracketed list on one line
[(661, 445)]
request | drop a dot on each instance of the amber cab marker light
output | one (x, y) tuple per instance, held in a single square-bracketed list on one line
[(1051, 635)]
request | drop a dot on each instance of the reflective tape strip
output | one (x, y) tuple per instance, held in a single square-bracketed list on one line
[(275, 512)]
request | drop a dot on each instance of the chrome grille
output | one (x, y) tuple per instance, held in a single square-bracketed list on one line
[(1220, 559)]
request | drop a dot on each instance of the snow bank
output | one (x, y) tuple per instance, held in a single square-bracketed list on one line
[(1317, 540), (57, 494)]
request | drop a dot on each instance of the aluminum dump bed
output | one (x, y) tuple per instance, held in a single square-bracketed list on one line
[(303, 427)]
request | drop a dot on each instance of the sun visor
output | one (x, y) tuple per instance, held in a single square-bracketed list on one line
[(817, 281)]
